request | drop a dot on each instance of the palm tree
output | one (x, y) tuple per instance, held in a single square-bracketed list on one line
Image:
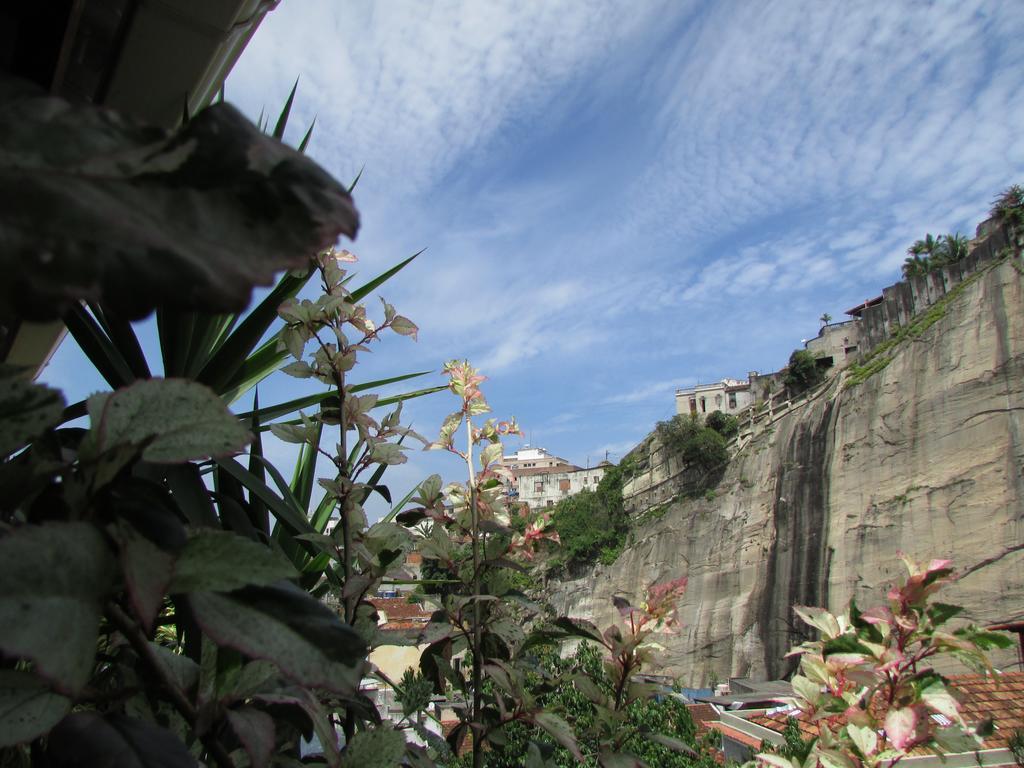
[(951, 249), (826, 318), (926, 247), (916, 265)]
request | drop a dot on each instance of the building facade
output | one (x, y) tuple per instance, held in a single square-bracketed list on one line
[(837, 345), (728, 396), (541, 479)]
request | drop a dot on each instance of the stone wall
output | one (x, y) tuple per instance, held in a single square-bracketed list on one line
[(926, 456)]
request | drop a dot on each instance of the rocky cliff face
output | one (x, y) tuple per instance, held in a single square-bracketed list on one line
[(924, 456)]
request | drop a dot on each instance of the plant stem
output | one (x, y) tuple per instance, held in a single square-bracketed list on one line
[(478, 755), (140, 644)]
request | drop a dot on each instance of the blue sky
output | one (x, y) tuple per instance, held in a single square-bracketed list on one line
[(621, 198)]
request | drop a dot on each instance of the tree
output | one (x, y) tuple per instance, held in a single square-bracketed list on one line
[(950, 250), (825, 319), (925, 247), (723, 423), (915, 266), (1008, 210), (803, 372)]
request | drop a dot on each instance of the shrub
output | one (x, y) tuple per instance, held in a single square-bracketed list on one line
[(802, 373), (723, 423), (593, 524), (700, 447)]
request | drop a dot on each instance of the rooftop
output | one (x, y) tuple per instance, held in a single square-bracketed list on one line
[(1000, 697)]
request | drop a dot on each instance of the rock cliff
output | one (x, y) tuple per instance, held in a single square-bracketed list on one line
[(924, 456)]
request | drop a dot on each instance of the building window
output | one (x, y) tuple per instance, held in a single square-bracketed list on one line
[(732, 401), (551, 503), (538, 487), (693, 405), (563, 486), (703, 406)]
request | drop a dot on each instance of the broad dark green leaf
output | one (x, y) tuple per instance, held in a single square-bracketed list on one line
[(672, 743), (382, 747), (88, 738), (220, 561), (190, 220), (283, 624), (28, 708), (181, 668), (170, 420), (55, 578), (190, 494), (559, 730), (146, 568), (255, 729), (26, 410)]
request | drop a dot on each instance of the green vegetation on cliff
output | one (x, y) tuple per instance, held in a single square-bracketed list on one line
[(593, 525)]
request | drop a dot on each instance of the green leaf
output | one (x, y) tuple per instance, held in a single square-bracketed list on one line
[(55, 578), (777, 761), (382, 747), (845, 644), (182, 670), (282, 120), (286, 510), (674, 744), (97, 346), (818, 618), (26, 411), (87, 738), (940, 613), (147, 571), (304, 476), (255, 730), (609, 759), (270, 412), (283, 624), (123, 337), (258, 512), (559, 730), (191, 495), (235, 366), (221, 561), (365, 290), (28, 708), (305, 139), (160, 219), (169, 420)]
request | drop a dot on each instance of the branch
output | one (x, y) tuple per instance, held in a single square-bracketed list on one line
[(989, 561), (140, 644)]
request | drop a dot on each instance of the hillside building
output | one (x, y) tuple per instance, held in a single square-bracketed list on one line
[(541, 479), (728, 396)]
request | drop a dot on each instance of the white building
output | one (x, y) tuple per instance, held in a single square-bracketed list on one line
[(728, 396), (541, 479), (545, 488)]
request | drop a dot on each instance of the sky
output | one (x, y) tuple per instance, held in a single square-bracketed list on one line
[(621, 198)]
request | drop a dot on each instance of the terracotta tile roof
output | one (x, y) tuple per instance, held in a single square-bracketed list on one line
[(705, 717), (1000, 697), (740, 736), (399, 614)]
